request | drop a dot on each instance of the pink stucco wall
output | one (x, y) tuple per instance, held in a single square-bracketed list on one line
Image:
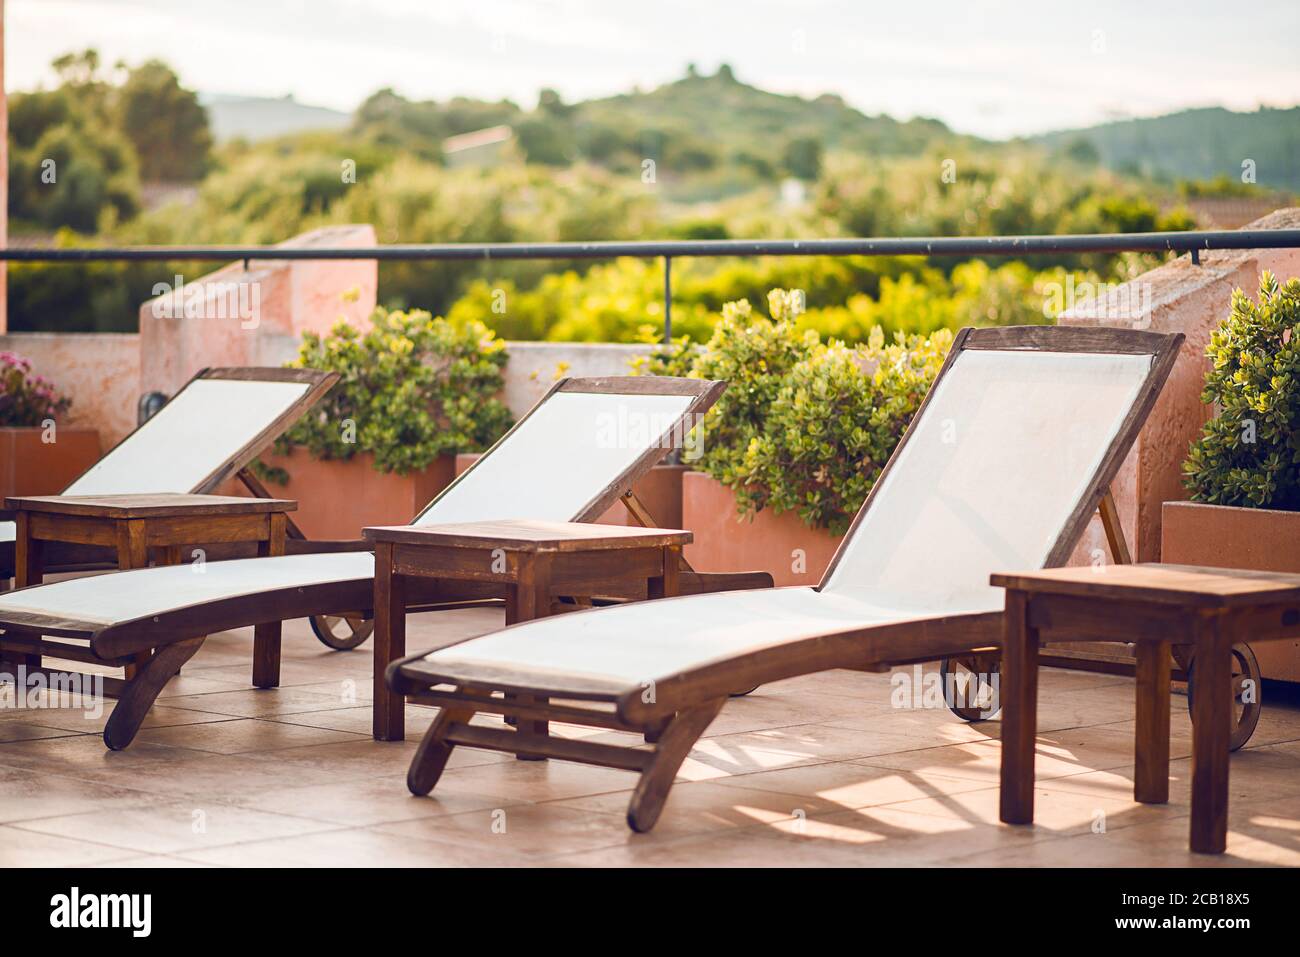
[(1193, 300), (99, 371), (290, 297), (105, 374)]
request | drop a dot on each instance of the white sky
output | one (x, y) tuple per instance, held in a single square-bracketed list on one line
[(995, 69)]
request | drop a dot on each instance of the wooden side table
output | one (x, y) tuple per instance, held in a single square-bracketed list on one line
[(528, 563), (133, 524), (1154, 607)]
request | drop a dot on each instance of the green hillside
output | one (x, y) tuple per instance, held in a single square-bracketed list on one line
[(714, 130), (1201, 144)]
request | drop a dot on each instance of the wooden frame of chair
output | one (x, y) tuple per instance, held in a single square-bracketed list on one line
[(683, 704)]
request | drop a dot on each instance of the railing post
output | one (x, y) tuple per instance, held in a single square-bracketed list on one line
[(668, 300)]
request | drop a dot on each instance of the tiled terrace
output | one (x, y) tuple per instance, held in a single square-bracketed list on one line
[(816, 771)]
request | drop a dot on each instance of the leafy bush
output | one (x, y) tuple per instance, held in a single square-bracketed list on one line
[(412, 388), (834, 424), (1249, 453), (844, 298), (26, 400), (754, 356), (804, 425)]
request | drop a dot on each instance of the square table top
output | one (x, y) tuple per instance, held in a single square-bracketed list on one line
[(155, 505), (1186, 585), (526, 535)]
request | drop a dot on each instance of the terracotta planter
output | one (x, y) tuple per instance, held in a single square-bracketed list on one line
[(336, 499), (29, 466), (660, 490), (1227, 537), (727, 542)]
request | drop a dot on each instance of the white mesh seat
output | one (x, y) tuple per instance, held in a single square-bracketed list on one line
[(628, 646), (103, 601), (221, 417)]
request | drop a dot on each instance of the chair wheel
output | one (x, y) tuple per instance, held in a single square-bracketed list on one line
[(1247, 686), (341, 632), (972, 685)]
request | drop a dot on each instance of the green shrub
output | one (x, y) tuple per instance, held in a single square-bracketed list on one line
[(804, 425), (753, 355), (412, 388), (1249, 453)]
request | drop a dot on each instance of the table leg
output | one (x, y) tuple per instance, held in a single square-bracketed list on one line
[(266, 636), (527, 598), (29, 568), (1211, 726), (389, 722), (1151, 776), (132, 552), (667, 585), (1019, 692)]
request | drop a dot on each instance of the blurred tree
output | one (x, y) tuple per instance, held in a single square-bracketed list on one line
[(67, 166), (803, 157), (165, 123)]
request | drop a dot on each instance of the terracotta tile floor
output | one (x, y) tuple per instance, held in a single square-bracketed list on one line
[(819, 770)]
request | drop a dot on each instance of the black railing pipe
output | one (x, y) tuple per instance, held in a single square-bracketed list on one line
[(1176, 242)]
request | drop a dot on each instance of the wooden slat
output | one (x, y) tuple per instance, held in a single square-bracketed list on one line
[(585, 752), (57, 649), (637, 385), (1110, 524), (1100, 339), (551, 712)]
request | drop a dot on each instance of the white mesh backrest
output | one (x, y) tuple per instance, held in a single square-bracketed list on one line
[(1003, 454), (205, 424), (569, 450)]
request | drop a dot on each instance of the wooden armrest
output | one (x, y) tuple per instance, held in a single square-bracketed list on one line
[(308, 546), (697, 583)]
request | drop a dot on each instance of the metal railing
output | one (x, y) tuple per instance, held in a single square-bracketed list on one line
[(1194, 242)]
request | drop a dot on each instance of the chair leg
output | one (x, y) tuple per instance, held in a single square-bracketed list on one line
[(674, 745), (266, 655), (140, 692), (432, 754)]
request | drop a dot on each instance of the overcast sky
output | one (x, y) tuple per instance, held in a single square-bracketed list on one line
[(994, 69)]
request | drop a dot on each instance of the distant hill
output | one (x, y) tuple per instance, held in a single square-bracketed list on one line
[(708, 136), (725, 110), (259, 118), (1200, 144)]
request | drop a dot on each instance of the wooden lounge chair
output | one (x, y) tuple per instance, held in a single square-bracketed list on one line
[(1013, 449), (208, 432), (573, 456)]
